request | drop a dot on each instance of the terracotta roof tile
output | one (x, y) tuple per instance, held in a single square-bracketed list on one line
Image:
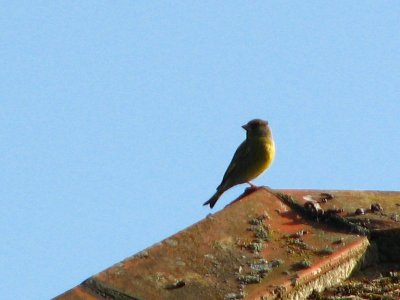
[(267, 244)]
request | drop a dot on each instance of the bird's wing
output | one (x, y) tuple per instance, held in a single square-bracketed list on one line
[(240, 155)]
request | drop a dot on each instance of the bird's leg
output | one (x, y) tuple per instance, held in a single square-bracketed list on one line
[(252, 185)]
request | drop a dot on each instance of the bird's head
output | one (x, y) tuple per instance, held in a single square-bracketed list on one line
[(257, 128)]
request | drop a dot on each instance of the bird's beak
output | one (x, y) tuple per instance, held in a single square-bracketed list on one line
[(245, 127)]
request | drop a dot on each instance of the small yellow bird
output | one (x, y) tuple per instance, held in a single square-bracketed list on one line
[(252, 158)]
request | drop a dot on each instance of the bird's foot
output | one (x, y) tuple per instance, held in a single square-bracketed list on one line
[(251, 188)]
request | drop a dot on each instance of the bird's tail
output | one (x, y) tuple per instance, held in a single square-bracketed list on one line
[(214, 199)]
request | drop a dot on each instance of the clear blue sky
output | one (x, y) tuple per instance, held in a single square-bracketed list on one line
[(119, 118)]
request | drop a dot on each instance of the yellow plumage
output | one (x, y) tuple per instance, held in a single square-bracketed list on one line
[(251, 159)]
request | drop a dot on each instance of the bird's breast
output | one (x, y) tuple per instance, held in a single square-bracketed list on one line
[(262, 155), (268, 152)]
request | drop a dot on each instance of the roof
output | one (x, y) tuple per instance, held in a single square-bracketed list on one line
[(267, 244)]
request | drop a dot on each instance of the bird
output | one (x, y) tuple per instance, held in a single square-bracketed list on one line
[(254, 155)]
